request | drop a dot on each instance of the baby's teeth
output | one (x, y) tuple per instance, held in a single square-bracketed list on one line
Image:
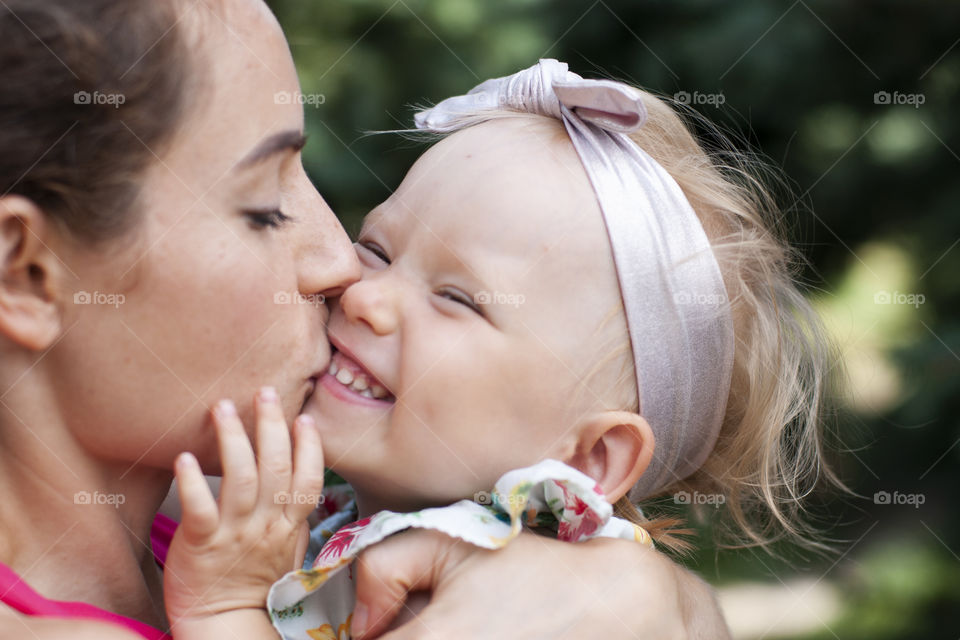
[(333, 368), (344, 376), (366, 393), (360, 383), (378, 392)]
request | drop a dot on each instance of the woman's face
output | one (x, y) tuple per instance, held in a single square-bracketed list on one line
[(216, 294)]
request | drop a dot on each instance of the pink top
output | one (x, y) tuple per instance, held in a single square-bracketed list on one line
[(15, 593)]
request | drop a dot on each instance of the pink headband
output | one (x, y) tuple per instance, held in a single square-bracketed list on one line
[(677, 310)]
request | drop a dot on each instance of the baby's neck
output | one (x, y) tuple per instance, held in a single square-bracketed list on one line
[(370, 502)]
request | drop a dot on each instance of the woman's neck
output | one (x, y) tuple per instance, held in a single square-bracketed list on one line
[(77, 528)]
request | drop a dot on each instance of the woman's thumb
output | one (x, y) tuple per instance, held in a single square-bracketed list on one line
[(387, 572)]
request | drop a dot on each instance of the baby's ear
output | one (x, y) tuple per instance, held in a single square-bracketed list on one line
[(614, 448)]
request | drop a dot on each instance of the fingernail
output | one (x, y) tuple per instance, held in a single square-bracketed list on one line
[(226, 409), (186, 460), (268, 394), (306, 421), (358, 624)]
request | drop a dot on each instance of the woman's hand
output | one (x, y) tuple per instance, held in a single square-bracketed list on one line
[(226, 554), (533, 588)]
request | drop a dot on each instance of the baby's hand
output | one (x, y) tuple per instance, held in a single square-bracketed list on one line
[(227, 553)]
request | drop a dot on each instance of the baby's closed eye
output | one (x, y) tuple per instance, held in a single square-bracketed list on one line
[(456, 295)]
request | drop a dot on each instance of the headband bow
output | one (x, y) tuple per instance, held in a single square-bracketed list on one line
[(678, 314)]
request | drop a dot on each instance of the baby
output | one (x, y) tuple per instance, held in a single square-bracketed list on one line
[(566, 277), (566, 308)]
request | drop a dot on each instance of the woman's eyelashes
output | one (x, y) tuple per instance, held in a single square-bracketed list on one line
[(266, 218)]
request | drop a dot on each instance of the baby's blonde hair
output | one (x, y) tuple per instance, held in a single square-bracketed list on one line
[(770, 451)]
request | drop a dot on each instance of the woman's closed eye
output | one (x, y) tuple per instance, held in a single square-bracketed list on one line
[(266, 218)]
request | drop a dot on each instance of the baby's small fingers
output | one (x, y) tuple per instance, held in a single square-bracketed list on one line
[(307, 484), (238, 490), (200, 516), (274, 459)]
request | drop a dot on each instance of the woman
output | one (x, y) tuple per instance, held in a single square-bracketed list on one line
[(161, 248)]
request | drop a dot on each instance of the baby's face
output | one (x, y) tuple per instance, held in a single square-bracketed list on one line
[(486, 279)]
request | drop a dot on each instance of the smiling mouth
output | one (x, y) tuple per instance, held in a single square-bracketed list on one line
[(347, 375)]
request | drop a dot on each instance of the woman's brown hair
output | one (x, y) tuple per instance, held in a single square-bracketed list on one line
[(90, 92)]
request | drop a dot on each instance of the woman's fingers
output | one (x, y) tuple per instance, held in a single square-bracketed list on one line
[(238, 490), (274, 459), (387, 572), (307, 484), (199, 513)]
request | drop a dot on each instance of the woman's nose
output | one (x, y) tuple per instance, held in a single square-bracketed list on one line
[(373, 302), (327, 263)]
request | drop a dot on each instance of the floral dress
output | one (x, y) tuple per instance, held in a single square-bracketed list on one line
[(315, 603)]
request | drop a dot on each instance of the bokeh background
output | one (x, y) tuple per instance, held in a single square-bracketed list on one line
[(858, 103)]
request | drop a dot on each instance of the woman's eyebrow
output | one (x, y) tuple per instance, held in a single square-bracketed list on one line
[(292, 140)]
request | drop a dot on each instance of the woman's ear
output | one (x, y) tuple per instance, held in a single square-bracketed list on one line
[(29, 313), (614, 448)]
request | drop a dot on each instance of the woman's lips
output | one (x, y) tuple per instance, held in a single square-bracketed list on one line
[(311, 389)]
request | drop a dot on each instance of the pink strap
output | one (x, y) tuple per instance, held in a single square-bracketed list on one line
[(160, 536), (17, 594)]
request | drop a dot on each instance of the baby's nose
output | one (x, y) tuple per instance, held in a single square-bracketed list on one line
[(373, 302)]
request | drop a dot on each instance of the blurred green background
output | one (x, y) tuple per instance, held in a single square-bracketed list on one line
[(858, 103)]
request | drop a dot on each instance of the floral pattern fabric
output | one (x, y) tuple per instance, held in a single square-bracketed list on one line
[(316, 603)]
